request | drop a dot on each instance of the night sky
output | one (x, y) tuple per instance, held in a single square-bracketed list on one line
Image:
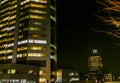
[(76, 39)]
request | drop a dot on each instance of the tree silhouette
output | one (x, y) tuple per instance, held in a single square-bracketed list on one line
[(108, 17)]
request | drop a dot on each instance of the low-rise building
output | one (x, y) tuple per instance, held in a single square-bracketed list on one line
[(17, 73), (67, 76)]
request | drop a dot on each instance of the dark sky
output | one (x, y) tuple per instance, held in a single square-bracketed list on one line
[(75, 37)]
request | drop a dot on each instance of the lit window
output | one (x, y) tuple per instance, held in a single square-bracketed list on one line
[(25, 17), (25, 1), (3, 1), (22, 42), (40, 41), (38, 5), (30, 71), (37, 48), (14, 1), (41, 1), (11, 71), (42, 80), (32, 41), (22, 48), (1, 72), (21, 55), (9, 45), (13, 22), (42, 72), (38, 11), (9, 51), (12, 17), (9, 57), (6, 9), (38, 23), (71, 74), (95, 51), (2, 51), (37, 54), (21, 36), (34, 28), (37, 41), (3, 58), (37, 17)]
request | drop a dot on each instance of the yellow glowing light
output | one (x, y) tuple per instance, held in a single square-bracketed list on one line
[(111, 8)]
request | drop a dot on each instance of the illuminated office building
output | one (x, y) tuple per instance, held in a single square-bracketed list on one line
[(28, 34), (95, 65)]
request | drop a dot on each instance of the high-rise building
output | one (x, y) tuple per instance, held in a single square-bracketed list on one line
[(95, 65), (28, 35)]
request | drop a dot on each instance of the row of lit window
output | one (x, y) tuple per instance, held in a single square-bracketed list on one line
[(6, 51), (26, 1), (32, 48), (36, 54), (22, 18), (6, 34), (7, 23), (42, 80), (38, 5), (9, 71), (5, 14), (24, 55), (33, 5), (32, 41), (4, 24), (22, 42), (73, 74), (12, 17), (38, 35), (22, 48), (37, 17), (5, 9), (14, 1), (34, 28), (37, 23), (7, 29), (38, 11), (23, 29), (6, 39), (8, 18), (13, 71), (3, 1), (25, 6), (41, 1), (12, 22), (8, 45), (4, 19), (3, 35), (32, 16), (37, 48), (12, 7)]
